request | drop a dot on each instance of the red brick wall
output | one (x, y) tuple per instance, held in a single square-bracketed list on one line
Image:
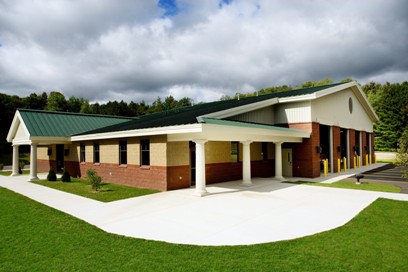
[(306, 160), (178, 177), (363, 147), (153, 177), (352, 143), (336, 143), (46, 165)]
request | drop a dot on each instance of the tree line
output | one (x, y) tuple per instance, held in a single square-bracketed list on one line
[(389, 100)]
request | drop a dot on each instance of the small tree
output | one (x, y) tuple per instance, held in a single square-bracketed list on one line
[(94, 179), (52, 176), (65, 176), (402, 155)]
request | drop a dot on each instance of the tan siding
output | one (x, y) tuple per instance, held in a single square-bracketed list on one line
[(158, 152), (178, 153), (217, 152), (256, 151), (109, 151), (133, 147), (74, 152), (42, 153)]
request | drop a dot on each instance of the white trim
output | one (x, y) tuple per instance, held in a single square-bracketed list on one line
[(192, 128)]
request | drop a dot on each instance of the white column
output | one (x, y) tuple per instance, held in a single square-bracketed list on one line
[(200, 168), (246, 163), (33, 162), (348, 149), (278, 161), (16, 165)]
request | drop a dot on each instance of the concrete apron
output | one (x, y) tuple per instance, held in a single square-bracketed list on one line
[(231, 214)]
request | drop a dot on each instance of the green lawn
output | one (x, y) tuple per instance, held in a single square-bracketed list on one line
[(352, 185), (108, 191), (8, 173), (35, 237)]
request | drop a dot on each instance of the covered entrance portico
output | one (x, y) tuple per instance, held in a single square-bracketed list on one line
[(244, 133)]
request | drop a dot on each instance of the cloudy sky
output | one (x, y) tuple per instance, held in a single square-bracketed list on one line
[(138, 50)]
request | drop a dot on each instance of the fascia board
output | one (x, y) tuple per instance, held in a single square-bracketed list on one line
[(216, 128), (241, 109), (297, 98), (192, 128), (49, 140)]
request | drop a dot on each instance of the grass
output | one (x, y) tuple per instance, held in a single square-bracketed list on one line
[(8, 173), (108, 191), (352, 185), (35, 237)]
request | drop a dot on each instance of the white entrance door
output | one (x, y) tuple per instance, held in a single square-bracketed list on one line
[(287, 162)]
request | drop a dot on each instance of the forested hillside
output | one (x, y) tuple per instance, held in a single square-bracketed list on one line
[(390, 101)]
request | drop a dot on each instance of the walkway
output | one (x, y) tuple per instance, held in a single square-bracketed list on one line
[(231, 215)]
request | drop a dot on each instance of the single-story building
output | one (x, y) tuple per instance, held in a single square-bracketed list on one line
[(274, 135)]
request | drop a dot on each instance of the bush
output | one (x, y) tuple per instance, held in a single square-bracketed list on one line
[(1, 166), (52, 176), (65, 176), (94, 179)]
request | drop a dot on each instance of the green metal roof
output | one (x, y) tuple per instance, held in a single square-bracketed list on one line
[(62, 124), (188, 115)]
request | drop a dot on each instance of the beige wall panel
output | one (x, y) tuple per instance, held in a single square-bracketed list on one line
[(109, 151), (74, 152), (133, 147), (178, 153), (42, 153), (158, 146), (217, 152), (334, 110), (256, 151)]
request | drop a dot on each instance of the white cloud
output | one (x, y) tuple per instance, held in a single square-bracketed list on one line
[(103, 50)]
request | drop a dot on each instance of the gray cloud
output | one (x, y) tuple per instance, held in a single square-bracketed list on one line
[(103, 50)]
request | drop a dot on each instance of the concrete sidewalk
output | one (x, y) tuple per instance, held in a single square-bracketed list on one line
[(230, 215)]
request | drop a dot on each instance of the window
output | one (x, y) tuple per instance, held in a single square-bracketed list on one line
[(234, 152), (145, 152), (96, 153), (82, 152), (122, 152)]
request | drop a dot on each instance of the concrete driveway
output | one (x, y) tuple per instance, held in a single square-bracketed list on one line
[(231, 215)]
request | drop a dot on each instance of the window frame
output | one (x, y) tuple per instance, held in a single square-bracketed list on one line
[(123, 156), (82, 153), (96, 153)]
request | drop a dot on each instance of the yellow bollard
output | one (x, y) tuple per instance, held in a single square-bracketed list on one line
[(354, 162), (327, 166), (370, 159), (366, 159), (338, 165), (345, 164), (361, 161)]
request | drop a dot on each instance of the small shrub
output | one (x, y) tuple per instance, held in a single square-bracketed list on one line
[(65, 176), (52, 176), (94, 179), (1, 166)]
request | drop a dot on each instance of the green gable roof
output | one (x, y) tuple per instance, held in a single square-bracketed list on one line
[(62, 124), (188, 115)]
